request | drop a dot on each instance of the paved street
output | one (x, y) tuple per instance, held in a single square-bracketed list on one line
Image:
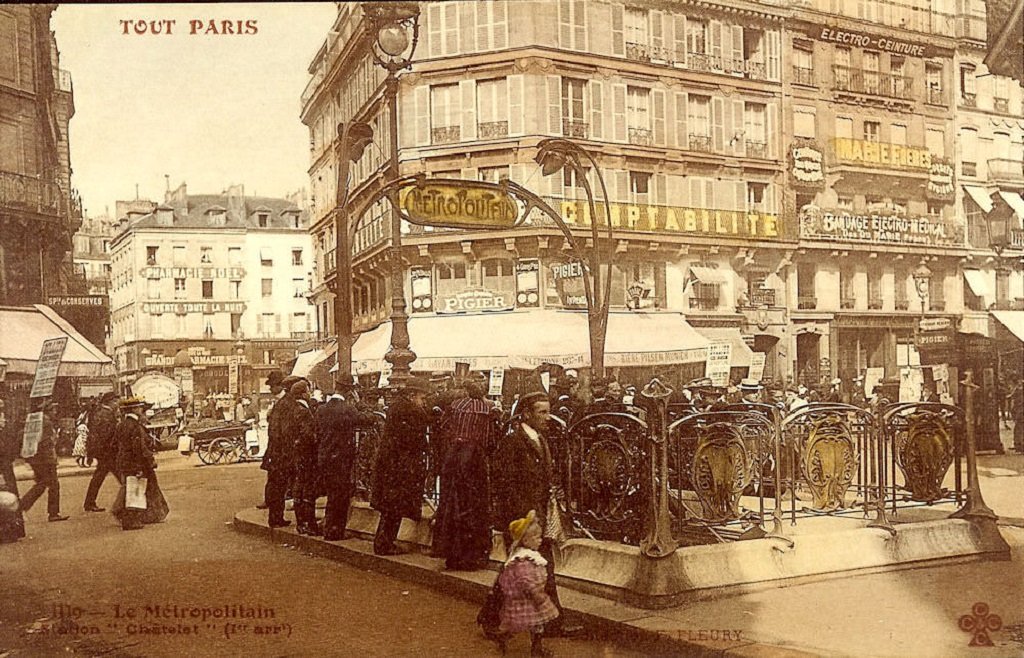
[(196, 559)]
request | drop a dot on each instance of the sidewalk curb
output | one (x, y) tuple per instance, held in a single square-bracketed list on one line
[(474, 586)]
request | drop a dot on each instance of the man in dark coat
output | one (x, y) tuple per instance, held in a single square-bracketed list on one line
[(44, 468), (523, 474), (12, 524), (399, 472), (337, 421), (101, 447), (300, 433), (279, 458), (468, 431)]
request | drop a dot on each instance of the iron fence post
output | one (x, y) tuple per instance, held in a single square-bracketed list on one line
[(659, 542), (974, 507)]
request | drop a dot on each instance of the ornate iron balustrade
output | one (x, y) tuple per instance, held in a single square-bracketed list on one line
[(863, 81), (755, 70), (640, 136), (925, 438), (700, 143), (803, 76), (445, 135), (806, 302), (1006, 170), (704, 62), (575, 128), (638, 51), (367, 441), (606, 478), (492, 129), (969, 100), (935, 96), (1001, 104), (756, 149), (847, 302), (902, 304), (28, 194), (875, 303)]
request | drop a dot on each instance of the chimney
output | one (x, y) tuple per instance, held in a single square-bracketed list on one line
[(236, 202), (178, 198)]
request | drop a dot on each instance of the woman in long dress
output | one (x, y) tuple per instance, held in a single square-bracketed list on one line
[(135, 458)]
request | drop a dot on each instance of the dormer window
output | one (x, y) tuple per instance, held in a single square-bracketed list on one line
[(218, 215), (263, 219), (294, 215)]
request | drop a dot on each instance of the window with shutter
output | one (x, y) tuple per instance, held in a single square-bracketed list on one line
[(572, 31), (515, 104), (468, 115), (754, 129), (619, 113), (492, 108), (682, 137), (450, 28), (435, 46), (618, 31), (658, 112), (444, 114), (638, 103), (596, 110), (637, 40), (573, 115), (718, 123), (699, 122)]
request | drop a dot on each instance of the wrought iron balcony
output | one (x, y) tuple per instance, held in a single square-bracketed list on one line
[(806, 302), (803, 76), (1017, 238), (445, 135), (704, 303), (755, 70), (704, 62), (934, 96), (491, 129), (638, 51), (847, 303), (29, 194), (700, 143), (902, 304), (756, 149), (936, 304), (640, 136), (969, 100), (1001, 104), (575, 128), (862, 81), (1005, 170), (875, 303)]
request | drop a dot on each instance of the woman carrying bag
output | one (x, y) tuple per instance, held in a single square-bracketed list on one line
[(139, 500)]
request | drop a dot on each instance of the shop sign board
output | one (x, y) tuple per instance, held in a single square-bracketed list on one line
[(934, 324), (496, 381), (476, 299), (233, 376), (890, 156), (154, 272), (159, 390), (182, 308), (931, 340), (459, 204), (757, 360), (32, 435), (868, 41), (843, 226), (76, 300), (807, 164), (940, 179), (718, 362), (676, 220), (47, 367)]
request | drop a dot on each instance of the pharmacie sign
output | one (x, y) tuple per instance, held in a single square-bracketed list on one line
[(816, 223), (675, 219), (192, 272), (458, 204)]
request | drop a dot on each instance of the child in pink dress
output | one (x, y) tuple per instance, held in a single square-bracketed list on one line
[(525, 604)]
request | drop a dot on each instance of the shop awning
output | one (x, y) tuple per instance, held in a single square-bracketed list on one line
[(527, 339), (980, 196), (23, 329), (305, 361), (978, 283), (1015, 201), (709, 274), (741, 352), (1012, 320)]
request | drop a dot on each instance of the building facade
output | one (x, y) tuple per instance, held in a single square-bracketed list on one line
[(39, 211), (210, 289), (776, 173)]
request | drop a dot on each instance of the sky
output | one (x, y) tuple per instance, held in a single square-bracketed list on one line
[(210, 110)]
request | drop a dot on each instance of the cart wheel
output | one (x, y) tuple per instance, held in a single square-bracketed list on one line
[(207, 454), (227, 451)]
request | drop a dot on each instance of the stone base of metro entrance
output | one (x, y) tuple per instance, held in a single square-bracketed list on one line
[(822, 547)]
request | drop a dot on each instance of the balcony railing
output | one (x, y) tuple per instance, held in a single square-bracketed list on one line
[(806, 302), (704, 303), (26, 193), (640, 136), (704, 62), (969, 100), (936, 304), (756, 149), (934, 96), (445, 134), (1017, 238), (638, 51), (875, 303), (700, 143), (1002, 170), (902, 304), (803, 76), (755, 70), (847, 303), (575, 128), (1001, 104), (491, 129), (862, 81)]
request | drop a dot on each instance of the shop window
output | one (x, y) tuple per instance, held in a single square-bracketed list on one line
[(755, 196), (565, 285), (494, 174), (899, 288), (874, 289), (496, 274), (705, 296), (452, 278), (846, 291), (758, 294), (207, 289), (639, 187)]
